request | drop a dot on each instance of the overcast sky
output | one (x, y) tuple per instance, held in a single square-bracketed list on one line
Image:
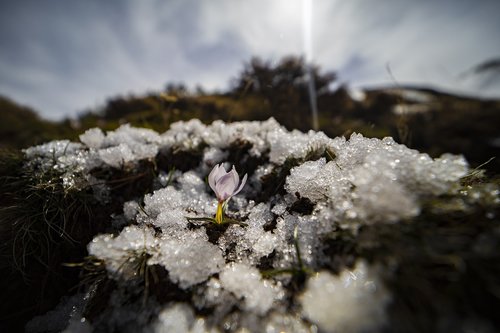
[(62, 57)]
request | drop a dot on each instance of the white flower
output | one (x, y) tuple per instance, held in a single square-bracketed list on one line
[(225, 184)]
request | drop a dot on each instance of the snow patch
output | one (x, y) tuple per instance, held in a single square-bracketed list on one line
[(354, 301)]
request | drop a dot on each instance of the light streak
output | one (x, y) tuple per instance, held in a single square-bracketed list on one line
[(308, 53)]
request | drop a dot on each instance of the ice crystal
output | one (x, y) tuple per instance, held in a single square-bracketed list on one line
[(245, 282), (355, 301), (313, 186), (126, 247), (190, 259)]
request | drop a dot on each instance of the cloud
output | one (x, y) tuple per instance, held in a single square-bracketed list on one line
[(65, 56), (423, 42)]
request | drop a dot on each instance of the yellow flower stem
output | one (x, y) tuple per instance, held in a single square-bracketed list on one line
[(220, 213)]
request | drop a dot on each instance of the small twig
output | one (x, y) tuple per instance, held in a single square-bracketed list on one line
[(476, 170), (273, 272), (329, 154), (300, 270), (170, 176), (297, 249)]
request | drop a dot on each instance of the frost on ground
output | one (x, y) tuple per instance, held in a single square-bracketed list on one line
[(353, 294), (247, 277)]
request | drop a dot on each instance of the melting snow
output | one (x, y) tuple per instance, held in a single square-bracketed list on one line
[(354, 301), (352, 182)]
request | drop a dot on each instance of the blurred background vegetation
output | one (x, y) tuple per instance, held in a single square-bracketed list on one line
[(426, 119)]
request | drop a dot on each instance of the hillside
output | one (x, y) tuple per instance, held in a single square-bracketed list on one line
[(425, 119), (21, 127)]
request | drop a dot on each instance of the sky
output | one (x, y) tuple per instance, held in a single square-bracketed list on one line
[(62, 57)]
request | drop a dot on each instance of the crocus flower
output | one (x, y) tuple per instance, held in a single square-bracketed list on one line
[(225, 185)]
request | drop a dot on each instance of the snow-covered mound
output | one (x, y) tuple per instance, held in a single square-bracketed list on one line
[(301, 188)]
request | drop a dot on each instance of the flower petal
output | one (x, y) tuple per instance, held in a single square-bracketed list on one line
[(224, 188), (211, 177), (221, 172), (243, 181), (217, 173), (236, 178)]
